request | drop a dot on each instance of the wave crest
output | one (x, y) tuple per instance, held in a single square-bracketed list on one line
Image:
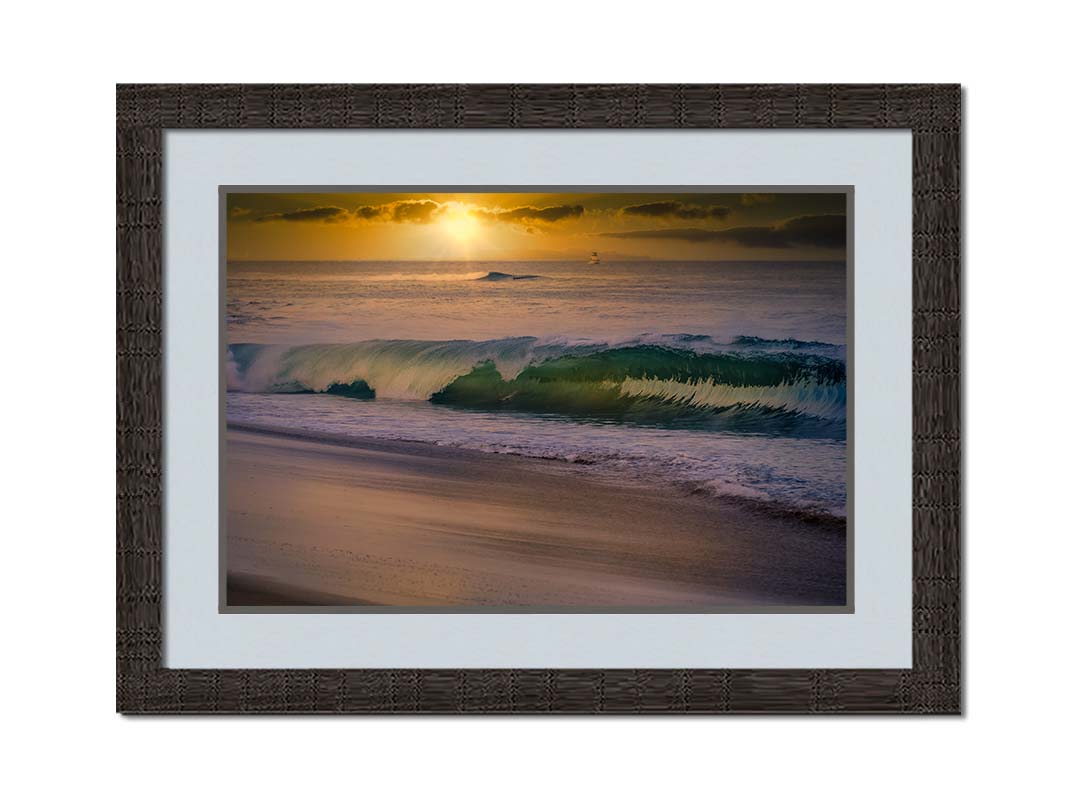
[(824, 400), (634, 382)]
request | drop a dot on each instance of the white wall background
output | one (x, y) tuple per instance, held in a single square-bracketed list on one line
[(60, 62)]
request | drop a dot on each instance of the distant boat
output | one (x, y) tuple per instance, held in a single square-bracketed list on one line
[(594, 258)]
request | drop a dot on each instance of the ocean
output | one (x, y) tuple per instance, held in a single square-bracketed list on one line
[(725, 378)]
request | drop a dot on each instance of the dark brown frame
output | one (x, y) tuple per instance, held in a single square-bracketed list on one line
[(933, 115)]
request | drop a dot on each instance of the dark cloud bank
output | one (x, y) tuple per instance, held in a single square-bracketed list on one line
[(420, 212), (672, 208), (417, 211), (532, 214), (823, 230), (317, 214)]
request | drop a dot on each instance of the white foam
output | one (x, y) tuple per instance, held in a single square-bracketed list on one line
[(801, 473)]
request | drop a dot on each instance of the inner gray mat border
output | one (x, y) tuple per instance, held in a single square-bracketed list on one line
[(850, 548)]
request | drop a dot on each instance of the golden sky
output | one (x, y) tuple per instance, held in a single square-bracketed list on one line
[(323, 226)]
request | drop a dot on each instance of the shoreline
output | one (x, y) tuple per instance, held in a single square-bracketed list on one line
[(319, 519), (756, 506)]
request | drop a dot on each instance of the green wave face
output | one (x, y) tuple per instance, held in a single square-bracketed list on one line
[(357, 389), (484, 387), (663, 363), (781, 387), (661, 386)]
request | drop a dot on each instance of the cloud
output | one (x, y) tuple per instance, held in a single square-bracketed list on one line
[(369, 212), (317, 214), (531, 214), (672, 208), (822, 230), (416, 211), (756, 199)]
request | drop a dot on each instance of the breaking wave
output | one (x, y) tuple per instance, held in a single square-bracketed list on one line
[(745, 384), (506, 276)]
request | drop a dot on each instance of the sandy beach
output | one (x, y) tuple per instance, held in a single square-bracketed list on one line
[(325, 521)]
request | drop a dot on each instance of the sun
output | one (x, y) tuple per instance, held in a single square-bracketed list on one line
[(459, 224)]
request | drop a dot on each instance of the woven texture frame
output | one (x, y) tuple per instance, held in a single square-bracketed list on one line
[(933, 115)]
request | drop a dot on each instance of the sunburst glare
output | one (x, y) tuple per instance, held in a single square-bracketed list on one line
[(460, 224)]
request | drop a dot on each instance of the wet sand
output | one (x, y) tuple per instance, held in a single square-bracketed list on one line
[(324, 521)]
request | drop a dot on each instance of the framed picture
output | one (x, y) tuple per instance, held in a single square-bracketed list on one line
[(560, 399)]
